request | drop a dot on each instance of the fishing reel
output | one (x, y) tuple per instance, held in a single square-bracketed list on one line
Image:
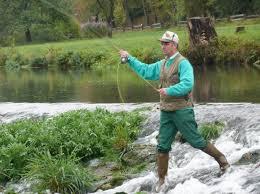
[(124, 60)]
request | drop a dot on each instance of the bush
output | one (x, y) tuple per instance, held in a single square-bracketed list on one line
[(3, 57), (224, 51), (94, 29), (79, 60), (148, 55), (211, 130), (60, 174), (40, 62), (83, 134), (15, 61)]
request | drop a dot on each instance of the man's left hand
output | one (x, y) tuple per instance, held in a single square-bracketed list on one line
[(162, 91)]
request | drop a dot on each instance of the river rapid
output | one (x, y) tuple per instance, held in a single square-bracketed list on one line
[(190, 170)]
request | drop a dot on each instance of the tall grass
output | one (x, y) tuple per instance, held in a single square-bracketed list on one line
[(51, 151)]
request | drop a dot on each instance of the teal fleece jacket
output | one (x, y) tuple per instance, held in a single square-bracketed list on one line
[(152, 72)]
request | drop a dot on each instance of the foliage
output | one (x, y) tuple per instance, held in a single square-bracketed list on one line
[(78, 60), (94, 29), (165, 10), (119, 13), (211, 130), (40, 62), (147, 55), (60, 174), (15, 61), (224, 51), (82, 134), (20, 18)]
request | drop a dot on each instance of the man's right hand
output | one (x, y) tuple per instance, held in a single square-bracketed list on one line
[(123, 53), (124, 56)]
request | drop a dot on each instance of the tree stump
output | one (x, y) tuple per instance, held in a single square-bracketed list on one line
[(201, 30)]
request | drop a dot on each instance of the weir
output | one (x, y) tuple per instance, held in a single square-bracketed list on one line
[(190, 170)]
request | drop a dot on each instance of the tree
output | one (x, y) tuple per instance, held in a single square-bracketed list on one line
[(21, 15), (165, 10), (107, 7)]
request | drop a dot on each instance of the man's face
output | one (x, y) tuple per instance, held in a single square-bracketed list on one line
[(168, 48)]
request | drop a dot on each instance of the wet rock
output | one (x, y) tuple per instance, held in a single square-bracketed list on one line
[(140, 154), (249, 158)]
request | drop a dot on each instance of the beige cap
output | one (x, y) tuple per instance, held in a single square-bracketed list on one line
[(169, 36)]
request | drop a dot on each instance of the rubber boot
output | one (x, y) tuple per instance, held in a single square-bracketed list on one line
[(217, 155), (162, 168)]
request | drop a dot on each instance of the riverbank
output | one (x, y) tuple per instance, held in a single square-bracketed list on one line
[(230, 49)]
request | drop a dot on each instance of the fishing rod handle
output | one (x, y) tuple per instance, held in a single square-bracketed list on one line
[(124, 60)]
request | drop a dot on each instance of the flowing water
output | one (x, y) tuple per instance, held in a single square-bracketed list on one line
[(190, 170)]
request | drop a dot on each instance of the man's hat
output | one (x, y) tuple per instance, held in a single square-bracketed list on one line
[(169, 36)]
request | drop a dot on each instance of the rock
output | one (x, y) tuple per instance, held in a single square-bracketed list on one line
[(249, 158), (140, 154)]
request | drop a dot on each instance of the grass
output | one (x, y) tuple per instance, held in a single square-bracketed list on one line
[(211, 130), (131, 40), (51, 152), (102, 53)]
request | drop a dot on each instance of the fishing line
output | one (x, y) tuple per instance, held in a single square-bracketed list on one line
[(108, 41), (118, 87)]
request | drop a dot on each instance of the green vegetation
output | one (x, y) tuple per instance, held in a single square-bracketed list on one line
[(211, 130), (230, 48), (53, 151)]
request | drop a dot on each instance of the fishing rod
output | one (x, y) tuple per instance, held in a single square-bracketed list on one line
[(123, 59)]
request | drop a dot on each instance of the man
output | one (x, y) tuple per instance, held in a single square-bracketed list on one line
[(176, 82)]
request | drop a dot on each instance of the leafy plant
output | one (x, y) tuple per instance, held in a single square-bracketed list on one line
[(83, 134), (62, 174), (211, 130)]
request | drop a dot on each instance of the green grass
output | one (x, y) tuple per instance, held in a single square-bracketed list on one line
[(211, 130), (131, 40), (53, 150), (231, 48)]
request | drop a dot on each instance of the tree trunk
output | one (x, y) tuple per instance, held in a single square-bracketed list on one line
[(201, 31), (128, 18), (145, 14), (28, 36), (109, 27)]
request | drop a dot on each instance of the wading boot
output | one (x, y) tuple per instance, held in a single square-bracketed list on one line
[(211, 150), (162, 168)]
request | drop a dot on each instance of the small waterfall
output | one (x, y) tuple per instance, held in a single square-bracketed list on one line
[(190, 170)]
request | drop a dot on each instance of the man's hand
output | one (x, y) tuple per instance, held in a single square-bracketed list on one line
[(123, 53), (124, 56), (162, 91)]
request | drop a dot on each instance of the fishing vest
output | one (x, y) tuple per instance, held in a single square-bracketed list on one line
[(169, 77)]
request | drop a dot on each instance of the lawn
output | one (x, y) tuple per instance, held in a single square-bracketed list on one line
[(130, 40)]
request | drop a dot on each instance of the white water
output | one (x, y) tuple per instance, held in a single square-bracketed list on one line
[(190, 171)]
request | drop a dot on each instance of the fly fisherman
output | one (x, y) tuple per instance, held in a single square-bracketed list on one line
[(176, 108)]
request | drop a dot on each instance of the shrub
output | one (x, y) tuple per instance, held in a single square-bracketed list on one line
[(211, 130), (94, 29), (79, 60), (83, 134), (40, 62), (148, 55), (13, 159), (61, 174), (3, 57)]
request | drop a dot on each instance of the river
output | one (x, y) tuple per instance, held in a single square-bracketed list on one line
[(218, 85)]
